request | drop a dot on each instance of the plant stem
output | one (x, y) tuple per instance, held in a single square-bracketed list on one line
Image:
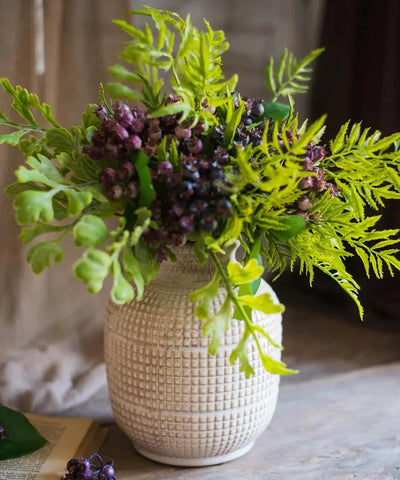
[(228, 287)]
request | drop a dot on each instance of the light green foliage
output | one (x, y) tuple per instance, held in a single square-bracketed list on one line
[(57, 192), (90, 231), (291, 76), (191, 57), (41, 255), (24, 103)]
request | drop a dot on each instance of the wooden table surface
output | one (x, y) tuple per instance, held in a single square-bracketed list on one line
[(341, 427), (339, 419)]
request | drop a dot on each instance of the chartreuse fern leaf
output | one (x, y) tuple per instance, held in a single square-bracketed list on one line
[(291, 76)]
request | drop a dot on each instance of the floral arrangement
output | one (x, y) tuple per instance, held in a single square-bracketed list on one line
[(187, 159)]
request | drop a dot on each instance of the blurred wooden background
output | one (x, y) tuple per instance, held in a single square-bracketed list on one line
[(79, 43)]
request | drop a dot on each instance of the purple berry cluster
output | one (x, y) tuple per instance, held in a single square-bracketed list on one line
[(118, 135), (192, 193), (2, 433), (83, 469)]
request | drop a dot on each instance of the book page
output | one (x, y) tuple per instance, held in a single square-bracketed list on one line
[(64, 435)]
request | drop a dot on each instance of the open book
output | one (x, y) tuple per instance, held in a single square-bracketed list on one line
[(67, 438)]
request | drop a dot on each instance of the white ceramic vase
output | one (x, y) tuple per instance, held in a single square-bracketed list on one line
[(177, 403)]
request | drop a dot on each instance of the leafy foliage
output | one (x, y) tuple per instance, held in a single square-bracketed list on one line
[(194, 64), (291, 76), (293, 203)]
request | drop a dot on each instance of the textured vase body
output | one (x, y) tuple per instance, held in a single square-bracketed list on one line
[(176, 402)]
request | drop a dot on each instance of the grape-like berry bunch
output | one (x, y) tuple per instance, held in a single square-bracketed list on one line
[(2, 433), (189, 168), (84, 469)]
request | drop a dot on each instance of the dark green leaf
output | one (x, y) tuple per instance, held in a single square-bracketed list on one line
[(275, 110), (21, 436), (146, 189), (292, 225)]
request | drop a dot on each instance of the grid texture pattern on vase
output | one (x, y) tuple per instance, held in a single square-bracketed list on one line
[(170, 317), (189, 436), (167, 393)]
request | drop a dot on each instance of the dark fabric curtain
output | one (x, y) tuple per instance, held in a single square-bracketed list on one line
[(358, 78)]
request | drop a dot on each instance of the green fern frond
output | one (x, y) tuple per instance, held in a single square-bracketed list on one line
[(291, 76)]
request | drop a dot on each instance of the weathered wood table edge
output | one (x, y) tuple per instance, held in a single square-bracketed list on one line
[(339, 427)]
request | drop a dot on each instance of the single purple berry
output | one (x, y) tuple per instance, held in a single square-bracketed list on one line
[(304, 203), (257, 110), (164, 168), (321, 185), (195, 145), (198, 206), (183, 133), (94, 152), (107, 176), (307, 183), (120, 133), (186, 224), (125, 171), (333, 188), (99, 138), (115, 192), (208, 223), (154, 135), (133, 142), (179, 208), (101, 112), (132, 190), (123, 114), (111, 151), (108, 471)]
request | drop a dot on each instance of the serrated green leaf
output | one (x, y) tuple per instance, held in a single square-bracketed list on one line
[(13, 138), (263, 303), (90, 231), (32, 206), (240, 275), (217, 325), (77, 200), (21, 436), (24, 175), (133, 271), (42, 255), (275, 366), (240, 353), (149, 266), (205, 296), (15, 188), (29, 234), (93, 268), (61, 140)]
